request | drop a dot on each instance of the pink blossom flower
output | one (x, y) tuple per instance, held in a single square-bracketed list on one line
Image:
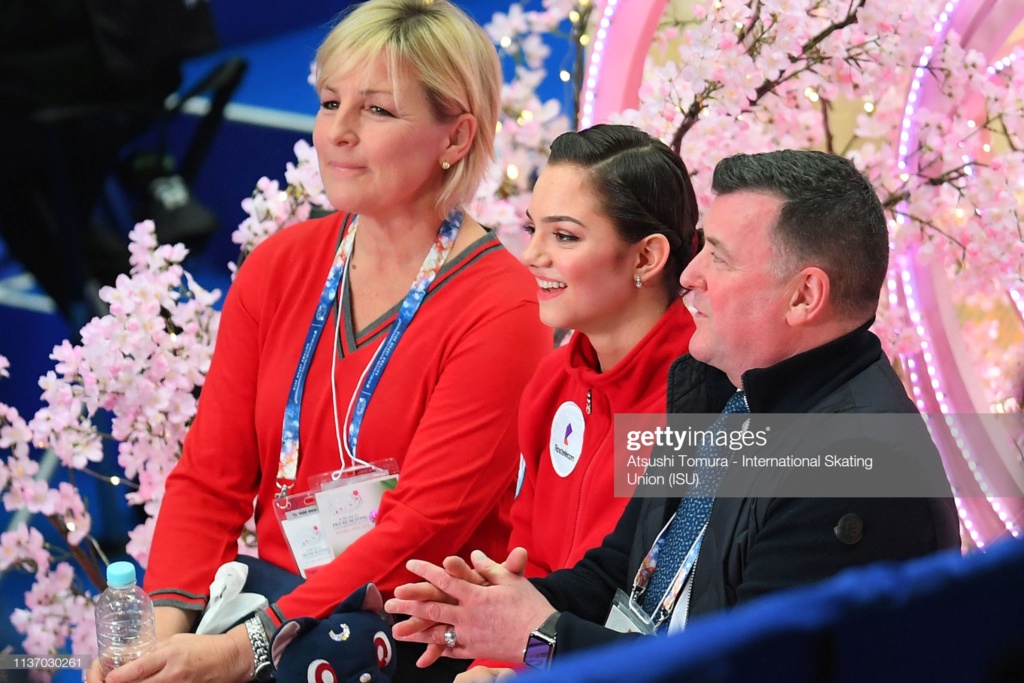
[(140, 538)]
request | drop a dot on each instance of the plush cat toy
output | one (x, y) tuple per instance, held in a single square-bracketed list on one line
[(352, 645)]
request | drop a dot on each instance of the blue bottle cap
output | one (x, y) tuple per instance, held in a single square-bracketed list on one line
[(120, 574)]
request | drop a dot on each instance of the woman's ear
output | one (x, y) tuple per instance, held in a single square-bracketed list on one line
[(652, 253), (461, 134)]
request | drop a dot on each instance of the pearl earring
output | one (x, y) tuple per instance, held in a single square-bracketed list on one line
[(445, 165), (638, 281)]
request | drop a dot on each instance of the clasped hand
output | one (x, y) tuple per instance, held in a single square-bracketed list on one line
[(492, 607)]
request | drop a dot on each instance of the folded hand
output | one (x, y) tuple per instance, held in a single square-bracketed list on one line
[(491, 606)]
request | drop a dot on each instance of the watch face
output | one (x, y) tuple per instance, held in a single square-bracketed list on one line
[(264, 672), (539, 651)]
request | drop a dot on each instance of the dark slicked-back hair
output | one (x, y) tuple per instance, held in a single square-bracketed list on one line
[(643, 185), (830, 218)]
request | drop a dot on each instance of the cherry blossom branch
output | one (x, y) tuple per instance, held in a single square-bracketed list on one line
[(806, 59), (86, 560), (755, 21), (1005, 133), (106, 478), (826, 126), (848, 20), (930, 225)]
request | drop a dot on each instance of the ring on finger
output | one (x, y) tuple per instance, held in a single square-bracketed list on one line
[(450, 639)]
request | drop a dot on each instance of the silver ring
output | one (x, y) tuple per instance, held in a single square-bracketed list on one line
[(450, 639)]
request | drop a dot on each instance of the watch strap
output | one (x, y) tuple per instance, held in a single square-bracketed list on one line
[(262, 667), (548, 627)]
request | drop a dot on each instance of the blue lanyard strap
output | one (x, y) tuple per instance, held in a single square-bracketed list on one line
[(288, 465), (428, 271)]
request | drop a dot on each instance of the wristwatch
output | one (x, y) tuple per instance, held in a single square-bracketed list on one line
[(262, 668), (540, 646)]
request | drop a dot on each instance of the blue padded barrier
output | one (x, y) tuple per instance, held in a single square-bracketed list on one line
[(936, 619)]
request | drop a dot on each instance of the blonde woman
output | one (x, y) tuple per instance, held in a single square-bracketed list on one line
[(429, 374)]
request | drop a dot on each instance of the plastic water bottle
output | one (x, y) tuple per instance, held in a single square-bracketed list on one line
[(125, 623)]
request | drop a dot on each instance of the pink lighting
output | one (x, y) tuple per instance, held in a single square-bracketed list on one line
[(612, 84), (940, 375), (949, 387)]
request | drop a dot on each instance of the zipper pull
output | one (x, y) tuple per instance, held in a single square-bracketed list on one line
[(590, 402)]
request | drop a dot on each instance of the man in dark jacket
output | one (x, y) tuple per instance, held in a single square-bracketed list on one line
[(783, 294)]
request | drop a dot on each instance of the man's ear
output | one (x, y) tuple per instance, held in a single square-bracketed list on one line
[(461, 134), (809, 296), (652, 254)]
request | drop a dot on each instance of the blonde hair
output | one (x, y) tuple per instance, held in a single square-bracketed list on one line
[(447, 52)]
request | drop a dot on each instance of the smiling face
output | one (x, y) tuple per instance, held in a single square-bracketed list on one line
[(584, 268), (377, 140), (739, 303)]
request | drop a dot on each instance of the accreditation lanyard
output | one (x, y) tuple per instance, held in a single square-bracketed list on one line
[(650, 563), (289, 462)]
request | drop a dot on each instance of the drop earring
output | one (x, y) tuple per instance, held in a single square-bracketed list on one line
[(638, 281), (445, 165)]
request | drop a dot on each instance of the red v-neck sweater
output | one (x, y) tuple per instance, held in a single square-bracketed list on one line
[(446, 408)]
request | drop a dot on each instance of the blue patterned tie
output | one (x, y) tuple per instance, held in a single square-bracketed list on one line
[(690, 518)]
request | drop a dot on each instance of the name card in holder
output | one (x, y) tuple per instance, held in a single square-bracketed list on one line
[(303, 528), (349, 500)]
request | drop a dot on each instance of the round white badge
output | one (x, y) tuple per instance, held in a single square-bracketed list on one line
[(566, 443)]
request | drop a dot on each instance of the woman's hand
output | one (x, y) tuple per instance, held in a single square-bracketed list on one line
[(170, 621), (95, 673), (226, 658)]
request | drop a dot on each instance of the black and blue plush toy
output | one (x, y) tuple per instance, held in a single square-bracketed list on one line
[(352, 645)]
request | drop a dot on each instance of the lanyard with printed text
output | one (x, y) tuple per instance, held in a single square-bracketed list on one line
[(288, 465)]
